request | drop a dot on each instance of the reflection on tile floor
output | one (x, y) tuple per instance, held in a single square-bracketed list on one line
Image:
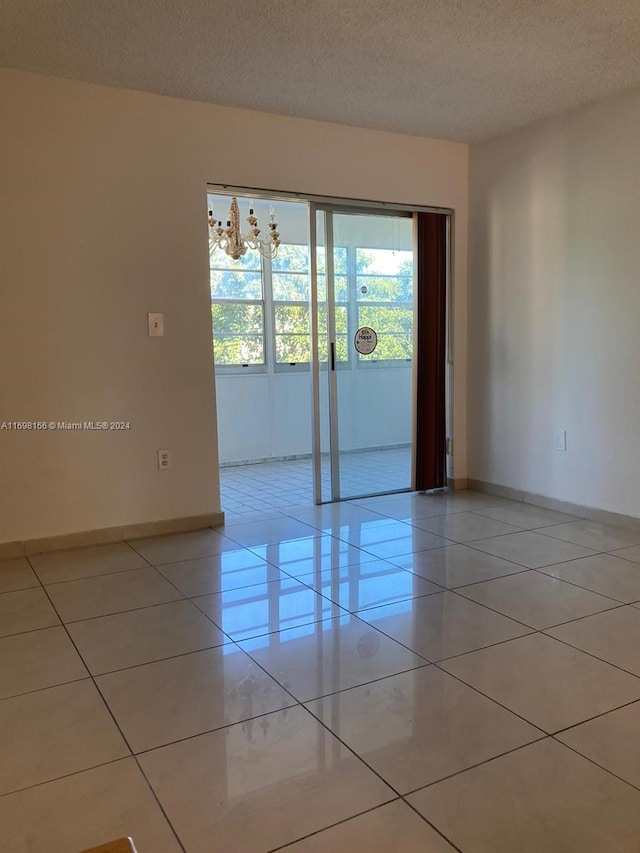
[(412, 672)]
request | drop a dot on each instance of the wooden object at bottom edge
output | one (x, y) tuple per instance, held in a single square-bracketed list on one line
[(121, 845)]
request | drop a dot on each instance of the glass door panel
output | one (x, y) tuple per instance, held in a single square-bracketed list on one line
[(364, 274)]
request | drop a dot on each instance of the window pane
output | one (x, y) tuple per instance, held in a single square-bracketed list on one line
[(342, 348), (384, 262), (239, 350), (251, 262), (339, 260), (386, 275), (386, 318), (236, 319), (290, 287), (341, 319), (342, 336), (394, 326), (293, 348), (340, 287), (236, 285), (384, 289), (292, 319), (391, 346), (291, 259)]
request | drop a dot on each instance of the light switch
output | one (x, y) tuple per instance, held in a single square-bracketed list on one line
[(561, 439), (156, 325)]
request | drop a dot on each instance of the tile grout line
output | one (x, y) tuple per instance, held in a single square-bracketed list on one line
[(544, 736), (356, 613), (159, 746), (372, 769), (115, 722), (438, 664), (615, 606), (590, 654), (120, 612), (47, 687), (283, 847), (540, 631), (64, 775)]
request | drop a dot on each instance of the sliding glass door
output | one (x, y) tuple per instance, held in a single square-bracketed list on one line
[(362, 265)]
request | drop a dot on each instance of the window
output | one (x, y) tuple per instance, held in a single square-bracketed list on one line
[(290, 286), (384, 287), (290, 289), (341, 294), (261, 314), (237, 309)]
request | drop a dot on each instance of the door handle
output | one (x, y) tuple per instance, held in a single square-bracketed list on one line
[(333, 356)]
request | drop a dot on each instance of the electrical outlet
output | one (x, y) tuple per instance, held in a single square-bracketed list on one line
[(164, 460)]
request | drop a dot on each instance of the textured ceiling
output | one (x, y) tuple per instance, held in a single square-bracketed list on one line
[(440, 68)]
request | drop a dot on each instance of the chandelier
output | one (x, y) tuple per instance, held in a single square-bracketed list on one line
[(231, 239)]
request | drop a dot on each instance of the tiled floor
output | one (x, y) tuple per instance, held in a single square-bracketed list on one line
[(272, 485), (398, 674)]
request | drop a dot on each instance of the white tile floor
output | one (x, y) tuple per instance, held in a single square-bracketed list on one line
[(273, 485), (403, 674)]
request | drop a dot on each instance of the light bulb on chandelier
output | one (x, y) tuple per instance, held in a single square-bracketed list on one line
[(231, 239)]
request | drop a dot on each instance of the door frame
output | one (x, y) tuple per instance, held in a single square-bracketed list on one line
[(350, 205)]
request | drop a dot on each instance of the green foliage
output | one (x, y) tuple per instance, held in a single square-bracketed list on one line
[(293, 349), (291, 259), (238, 333), (239, 350), (292, 319), (234, 318), (232, 284), (249, 262), (394, 327), (386, 306), (387, 275), (339, 260), (290, 287)]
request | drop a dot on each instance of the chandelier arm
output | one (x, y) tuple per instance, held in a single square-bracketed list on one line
[(233, 242)]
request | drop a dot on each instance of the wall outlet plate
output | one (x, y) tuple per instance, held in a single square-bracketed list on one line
[(164, 460), (156, 325)]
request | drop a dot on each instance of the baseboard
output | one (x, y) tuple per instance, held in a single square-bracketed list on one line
[(108, 535), (591, 513), (295, 457), (494, 489), (457, 483)]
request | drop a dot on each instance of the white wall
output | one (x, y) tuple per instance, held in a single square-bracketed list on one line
[(262, 416), (554, 307), (103, 219)]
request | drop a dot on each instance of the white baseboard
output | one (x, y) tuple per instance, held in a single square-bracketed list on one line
[(107, 535), (597, 514)]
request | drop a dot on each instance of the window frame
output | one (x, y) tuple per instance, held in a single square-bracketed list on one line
[(270, 364), (287, 366), (369, 362), (242, 369)]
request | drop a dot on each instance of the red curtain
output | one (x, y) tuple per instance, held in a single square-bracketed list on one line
[(430, 352)]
